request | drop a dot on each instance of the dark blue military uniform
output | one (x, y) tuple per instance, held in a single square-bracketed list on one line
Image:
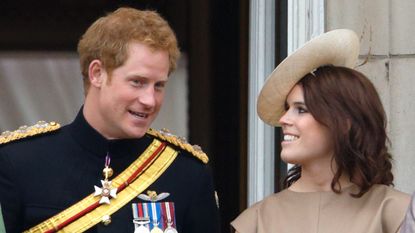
[(42, 175)]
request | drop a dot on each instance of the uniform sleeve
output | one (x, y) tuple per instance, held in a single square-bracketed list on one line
[(203, 213), (9, 196)]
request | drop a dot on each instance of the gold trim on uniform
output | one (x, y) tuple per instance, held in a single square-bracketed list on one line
[(165, 135), (151, 174), (28, 131)]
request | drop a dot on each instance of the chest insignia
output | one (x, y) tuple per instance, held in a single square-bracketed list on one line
[(154, 217), (105, 192), (153, 196)]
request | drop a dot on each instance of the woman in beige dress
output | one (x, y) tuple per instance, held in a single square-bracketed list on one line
[(334, 128)]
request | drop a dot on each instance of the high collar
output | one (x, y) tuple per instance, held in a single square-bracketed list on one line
[(98, 145)]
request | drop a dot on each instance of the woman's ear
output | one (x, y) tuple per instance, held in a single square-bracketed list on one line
[(96, 73)]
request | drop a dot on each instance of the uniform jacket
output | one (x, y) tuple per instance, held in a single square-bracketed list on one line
[(44, 174)]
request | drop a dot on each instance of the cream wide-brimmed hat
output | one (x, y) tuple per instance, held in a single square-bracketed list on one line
[(338, 47)]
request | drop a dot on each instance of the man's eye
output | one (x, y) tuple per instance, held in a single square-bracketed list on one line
[(160, 86), (137, 83)]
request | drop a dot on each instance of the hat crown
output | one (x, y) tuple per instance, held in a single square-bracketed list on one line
[(338, 47)]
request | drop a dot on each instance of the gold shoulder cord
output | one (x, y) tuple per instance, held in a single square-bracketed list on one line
[(181, 142), (28, 131)]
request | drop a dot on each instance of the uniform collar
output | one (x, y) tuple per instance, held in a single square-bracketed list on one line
[(93, 141)]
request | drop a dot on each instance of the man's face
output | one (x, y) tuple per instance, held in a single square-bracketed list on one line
[(129, 102)]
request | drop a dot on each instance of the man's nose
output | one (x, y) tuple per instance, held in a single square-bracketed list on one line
[(147, 97)]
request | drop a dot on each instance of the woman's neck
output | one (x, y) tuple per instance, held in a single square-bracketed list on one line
[(318, 180)]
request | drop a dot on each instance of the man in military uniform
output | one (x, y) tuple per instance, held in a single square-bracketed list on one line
[(107, 171)]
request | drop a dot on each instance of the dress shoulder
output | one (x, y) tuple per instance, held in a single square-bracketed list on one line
[(389, 206), (180, 142), (381, 209), (246, 222), (40, 127), (250, 220), (392, 195)]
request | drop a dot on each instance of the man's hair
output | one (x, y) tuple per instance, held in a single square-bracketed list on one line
[(108, 38), (347, 103)]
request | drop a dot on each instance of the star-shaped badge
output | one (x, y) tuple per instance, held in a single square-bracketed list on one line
[(105, 192)]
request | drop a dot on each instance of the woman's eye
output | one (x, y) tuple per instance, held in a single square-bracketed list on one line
[(301, 110)]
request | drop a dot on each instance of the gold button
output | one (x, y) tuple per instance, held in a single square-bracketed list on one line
[(106, 220), (107, 172)]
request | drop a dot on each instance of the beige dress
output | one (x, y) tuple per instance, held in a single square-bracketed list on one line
[(380, 210)]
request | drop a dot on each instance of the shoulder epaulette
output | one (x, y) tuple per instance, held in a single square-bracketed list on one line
[(28, 131), (181, 142)]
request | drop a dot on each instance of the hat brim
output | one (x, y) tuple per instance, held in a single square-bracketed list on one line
[(339, 47)]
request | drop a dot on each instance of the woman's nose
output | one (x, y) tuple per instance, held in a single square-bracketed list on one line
[(285, 119)]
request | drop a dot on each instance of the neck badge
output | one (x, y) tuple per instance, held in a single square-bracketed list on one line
[(107, 190)]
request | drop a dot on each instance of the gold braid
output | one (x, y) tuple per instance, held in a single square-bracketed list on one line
[(181, 142), (28, 131)]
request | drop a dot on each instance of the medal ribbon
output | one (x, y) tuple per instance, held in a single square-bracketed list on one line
[(141, 173), (155, 215), (171, 221)]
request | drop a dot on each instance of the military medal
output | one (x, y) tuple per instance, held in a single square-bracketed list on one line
[(155, 213), (107, 190), (156, 230), (160, 214), (141, 220), (170, 229), (170, 221), (141, 228)]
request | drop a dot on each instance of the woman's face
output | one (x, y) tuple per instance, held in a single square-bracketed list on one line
[(306, 141)]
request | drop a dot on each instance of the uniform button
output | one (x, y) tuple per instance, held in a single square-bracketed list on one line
[(106, 220)]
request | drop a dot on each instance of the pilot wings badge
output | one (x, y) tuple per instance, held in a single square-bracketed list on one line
[(153, 196)]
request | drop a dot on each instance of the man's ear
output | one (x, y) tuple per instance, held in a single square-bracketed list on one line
[(96, 73)]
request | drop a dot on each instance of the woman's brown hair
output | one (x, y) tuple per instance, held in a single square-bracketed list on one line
[(345, 101)]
